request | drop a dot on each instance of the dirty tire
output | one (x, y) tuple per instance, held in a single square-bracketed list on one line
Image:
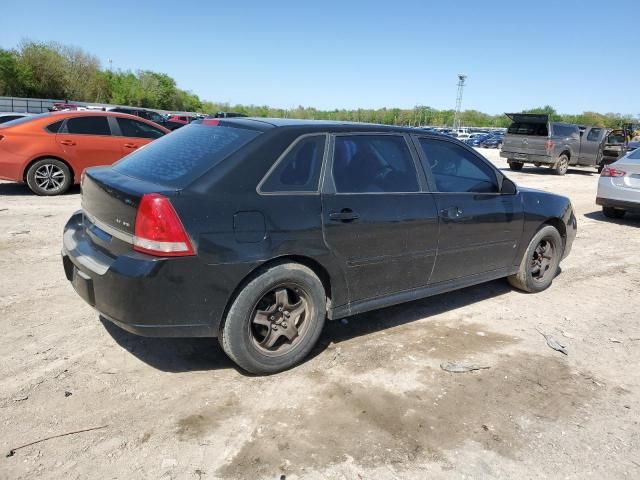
[(526, 279), (241, 341), (516, 165), (562, 166), (611, 212), (49, 177)]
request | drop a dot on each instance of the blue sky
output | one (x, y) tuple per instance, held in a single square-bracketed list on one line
[(369, 54)]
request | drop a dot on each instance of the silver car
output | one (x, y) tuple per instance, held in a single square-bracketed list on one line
[(619, 186)]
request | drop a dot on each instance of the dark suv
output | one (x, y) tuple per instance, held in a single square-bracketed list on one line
[(254, 231), (155, 117)]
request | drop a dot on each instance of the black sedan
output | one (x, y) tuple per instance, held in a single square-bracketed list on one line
[(255, 231)]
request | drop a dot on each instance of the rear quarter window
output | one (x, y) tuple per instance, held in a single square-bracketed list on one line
[(176, 160), (564, 130)]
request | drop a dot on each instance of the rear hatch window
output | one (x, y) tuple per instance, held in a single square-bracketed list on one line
[(528, 128), (177, 159)]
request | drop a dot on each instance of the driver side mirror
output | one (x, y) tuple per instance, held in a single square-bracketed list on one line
[(508, 187)]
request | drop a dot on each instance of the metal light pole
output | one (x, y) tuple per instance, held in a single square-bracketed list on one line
[(456, 117)]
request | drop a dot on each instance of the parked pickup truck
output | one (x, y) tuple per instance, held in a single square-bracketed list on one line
[(532, 138)]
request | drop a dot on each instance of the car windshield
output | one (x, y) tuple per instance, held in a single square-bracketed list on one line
[(176, 160), (19, 121)]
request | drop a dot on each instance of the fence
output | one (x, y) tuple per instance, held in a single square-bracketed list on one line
[(42, 105), (26, 105)]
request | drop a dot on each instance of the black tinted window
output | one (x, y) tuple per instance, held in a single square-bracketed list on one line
[(594, 134), (455, 169), (373, 163), (564, 130), (134, 128), (9, 118), (93, 125), (153, 116), (528, 128), (179, 158), (54, 127), (299, 170)]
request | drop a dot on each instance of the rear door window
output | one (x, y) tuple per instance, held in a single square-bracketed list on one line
[(373, 163), (457, 170), (176, 160), (93, 125), (299, 169), (137, 129)]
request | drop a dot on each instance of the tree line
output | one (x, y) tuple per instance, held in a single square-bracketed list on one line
[(53, 70)]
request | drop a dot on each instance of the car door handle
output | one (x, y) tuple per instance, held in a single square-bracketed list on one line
[(69, 143), (130, 145), (451, 213), (345, 215)]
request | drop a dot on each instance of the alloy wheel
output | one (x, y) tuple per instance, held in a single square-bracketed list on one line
[(49, 177), (280, 319), (542, 260)]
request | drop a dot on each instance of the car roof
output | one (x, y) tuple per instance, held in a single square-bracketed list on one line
[(316, 125)]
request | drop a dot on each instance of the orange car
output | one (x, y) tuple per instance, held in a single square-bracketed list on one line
[(50, 151)]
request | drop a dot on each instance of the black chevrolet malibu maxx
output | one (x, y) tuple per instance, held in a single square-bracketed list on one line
[(256, 230)]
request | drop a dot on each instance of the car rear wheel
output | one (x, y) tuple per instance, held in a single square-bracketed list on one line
[(516, 165), (539, 265), (611, 212), (275, 320), (562, 166), (49, 177)]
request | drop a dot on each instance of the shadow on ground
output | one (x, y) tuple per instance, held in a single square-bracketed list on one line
[(16, 189), (197, 354), (629, 220), (547, 171)]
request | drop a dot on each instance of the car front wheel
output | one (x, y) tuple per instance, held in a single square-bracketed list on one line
[(49, 177), (275, 320), (539, 266)]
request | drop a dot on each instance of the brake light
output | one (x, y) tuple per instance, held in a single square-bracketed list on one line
[(549, 145), (612, 172), (212, 122), (158, 229)]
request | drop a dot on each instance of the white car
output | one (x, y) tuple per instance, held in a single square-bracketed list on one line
[(619, 186)]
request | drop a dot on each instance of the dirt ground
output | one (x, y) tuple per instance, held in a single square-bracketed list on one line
[(371, 403)]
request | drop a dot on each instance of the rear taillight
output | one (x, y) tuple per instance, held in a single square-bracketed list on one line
[(549, 145), (159, 230), (612, 172)]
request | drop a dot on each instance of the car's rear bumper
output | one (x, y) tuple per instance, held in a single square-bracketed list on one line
[(619, 204), (525, 157), (148, 296)]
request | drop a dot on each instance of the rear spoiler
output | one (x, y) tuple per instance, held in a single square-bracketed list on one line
[(528, 117)]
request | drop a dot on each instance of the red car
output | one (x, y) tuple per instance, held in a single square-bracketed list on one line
[(183, 119), (50, 151)]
